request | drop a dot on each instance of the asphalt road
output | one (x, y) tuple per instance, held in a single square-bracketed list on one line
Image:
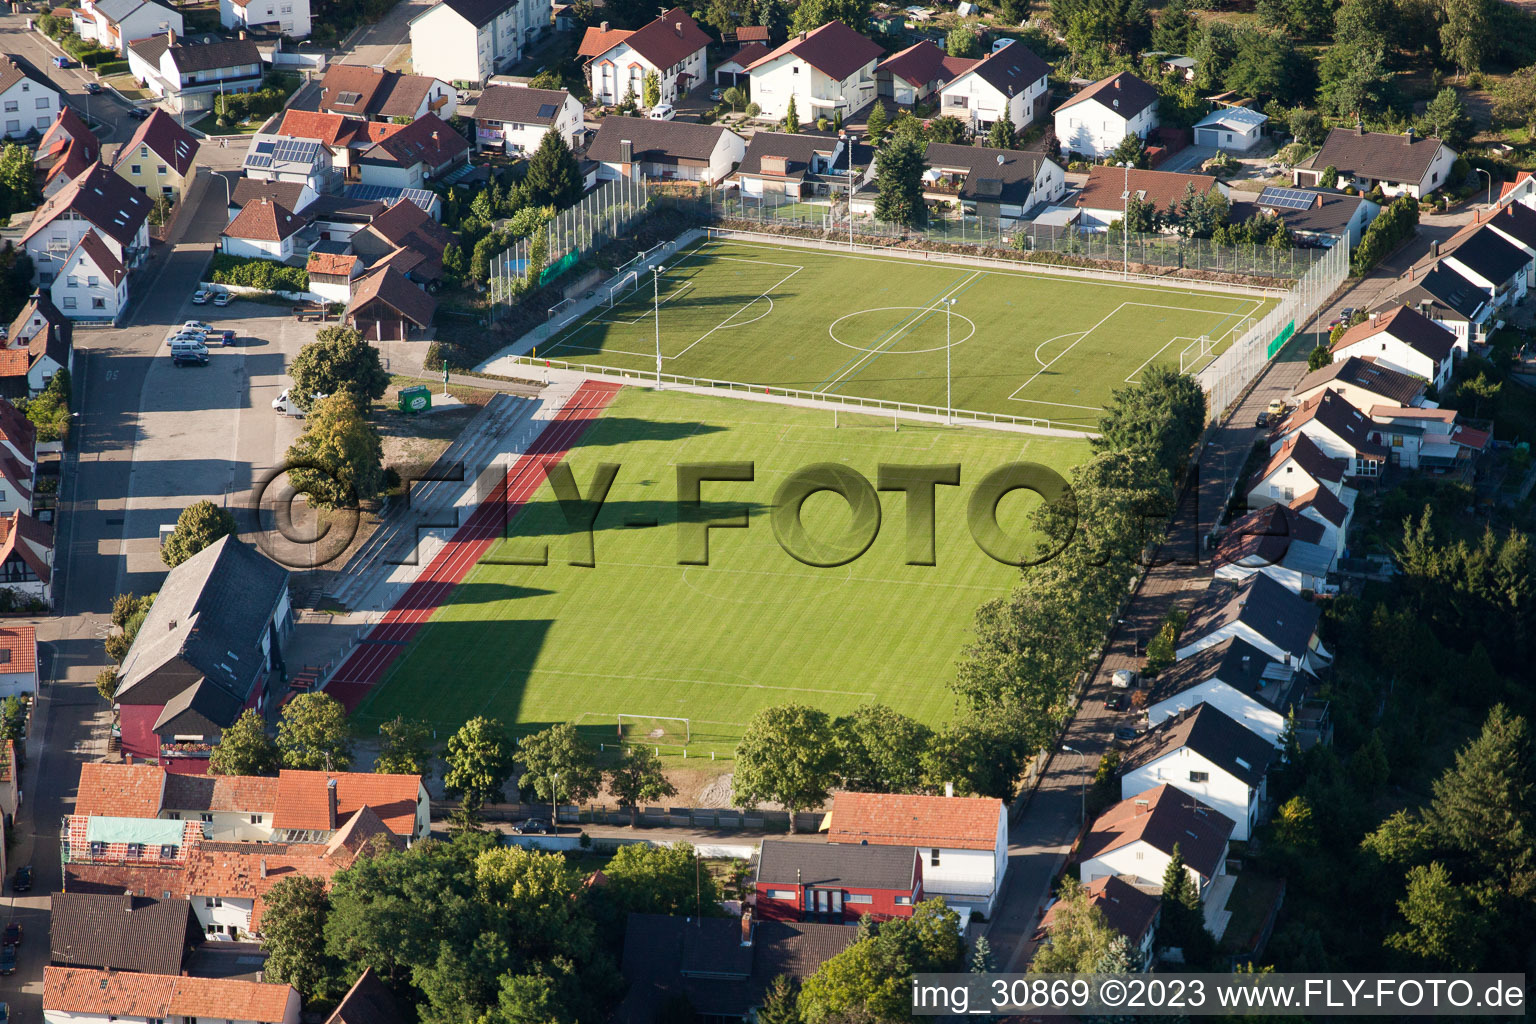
[(105, 113)]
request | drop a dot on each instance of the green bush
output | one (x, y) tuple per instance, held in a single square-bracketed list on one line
[(107, 68), (1395, 223), (1161, 650), (249, 272)]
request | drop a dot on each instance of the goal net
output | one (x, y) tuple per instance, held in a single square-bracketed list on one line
[(620, 291), (1195, 355), (649, 729)]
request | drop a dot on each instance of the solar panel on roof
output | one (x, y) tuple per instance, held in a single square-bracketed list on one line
[(1287, 198), (346, 99), (264, 147), (389, 194), (547, 110)]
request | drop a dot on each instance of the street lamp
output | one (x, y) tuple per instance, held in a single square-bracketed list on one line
[(656, 273), (1490, 183), (848, 141), (949, 400), (1125, 223), (554, 804), (1084, 791)]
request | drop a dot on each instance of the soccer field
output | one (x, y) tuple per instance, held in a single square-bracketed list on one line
[(873, 326), (638, 634)]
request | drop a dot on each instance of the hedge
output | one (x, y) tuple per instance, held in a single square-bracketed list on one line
[(107, 68), (249, 272), (1394, 224)]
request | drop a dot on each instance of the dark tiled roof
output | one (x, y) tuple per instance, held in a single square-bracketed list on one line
[(834, 49), (1126, 908), (744, 56), (1265, 533), (93, 248), (1451, 296), (1012, 69), (862, 867), (380, 93), (264, 221), (1234, 661), (1329, 214), (1486, 253), (109, 202), (479, 12), (1124, 93), (1264, 606), (1331, 412), (797, 152), (923, 63), (1162, 817), (668, 40), (1401, 388), (202, 709), (1376, 155), (124, 933), (53, 337), (368, 1001), (511, 103), (1407, 325), (1518, 221), (995, 175), (391, 287), (13, 69), (1213, 735), (428, 140), (1325, 503), (285, 193), (1312, 460), (654, 141), (206, 56), (166, 139)]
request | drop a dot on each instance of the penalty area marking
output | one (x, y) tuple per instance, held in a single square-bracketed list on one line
[(831, 330)]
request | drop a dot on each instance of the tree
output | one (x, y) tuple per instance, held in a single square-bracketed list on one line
[(983, 751), (1330, 177), (947, 129), (404, 749), (787, 756), (1445, 925), (812, 14), (1353, 80), (553, 178), (18, 188), (1172, 32), (1319, 357), (981, 957), (1514, 99), (1131, 150), (646, 879), (245, 748), (1466, 34), (899, 171), (1266, 64), (877, 123), (199, 525), (1141, 216), (639, 778), (293, 935), (1484, 807), (962, 41), (780, 1002), (558, 763), (339, 460), (1307, 127), (1080, 939), (1183, 924), (339, 358), (871, 979), (1446, 118), (791, 118), (1160, 416), (538, 256), (479, 761), (651, 89), (128, 614), (312, 734), (106, 683), (735, 96), (880, 750), (1001, 134), (1097, 30)]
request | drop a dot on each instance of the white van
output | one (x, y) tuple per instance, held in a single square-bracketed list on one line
[(285, 404), (186, 346)]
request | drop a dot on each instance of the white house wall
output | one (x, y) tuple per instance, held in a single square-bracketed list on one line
[(231, 916), (979, 103), (815, 94), (1257, 718), (28, 106), (1141, 860), (1092, 129), (1179, 768)]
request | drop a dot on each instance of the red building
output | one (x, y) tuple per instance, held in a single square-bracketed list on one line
[(836, 883)]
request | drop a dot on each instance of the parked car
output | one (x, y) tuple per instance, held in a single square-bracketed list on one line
[(195, 325), (22, 880), (93, 88), (1123, 679), (1276, 407), (190, 358), (5, 1013), (139, 113), (62, 62), (1263, 420), (7, 959), (225, 338), (1117, 702), (12, 934), (200, 297), (221, 298), (531, 827), (1347, 314), (663, 112), (1126, 733)]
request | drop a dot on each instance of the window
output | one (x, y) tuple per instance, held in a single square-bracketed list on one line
[(1199, 776), (206, 817), (135, 850), (859, 897), (92, 281), (903, 901), (255, 819), (160, 168), (781, 894), (42, 103), (168, 851), (42, 122), (97, 302), (212, 901), (74, 282), (98, 848), (11, 105), (144, 152), (135, 168), (174, 815), (13, 126), (933, 858), (69, 302)]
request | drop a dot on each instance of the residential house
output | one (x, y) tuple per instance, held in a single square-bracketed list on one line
[(515, 119), (47, 336), (991, 183), (293, 806), (338, 219), (77, 995), (732, 71), (1261, 611), (26, 569), (1135, 839), (1231, 129), (1363, 383), (332, 269), (28, 99), (1429, 440), (672, 47), (116, 23), (1101, 202), (125, 934), (92, 283), (1448, 300), (1498, 268), (494, 32), (1333, 511), (963, 841), (346, 138), (1404, 340), (419, 153), (160, 158), (263, 230), (375, 94), (300, 161), (1400, 164), (18, 649), (721, 966), (1096, 120), (385, 305), (290, 18), (1133, 912), (291, 195), (189, 76), (912, 75), (1013, 77), (1317, 216), (671, 150), (369, 1001), (1235, 677), (67, 150), (404, 226), (826, 72), (835, 883), (208, 650), (18, 460), (1338, 428), (1293, 550), (1516, 224), (1299, 467), (97, 201), (802, 165), (1207, 755)]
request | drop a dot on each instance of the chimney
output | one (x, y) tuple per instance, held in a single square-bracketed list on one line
[(626, 152), (128, 759), (242, 34), (949, 789), (1359, 128), (746, 927), (330, 802), (1434, 248), (263, 867), (602, 26), (1143, 807), (128, 902), (1408, 136), (679, 26), (170, 37), (1116, 81), (803, 35), (1375, 319), (434, 137)]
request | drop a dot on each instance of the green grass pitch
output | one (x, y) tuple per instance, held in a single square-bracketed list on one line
[(638, 634), (871, 326)]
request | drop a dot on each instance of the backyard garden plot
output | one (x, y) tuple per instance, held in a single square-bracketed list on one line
[(642, 648), (879, 327)]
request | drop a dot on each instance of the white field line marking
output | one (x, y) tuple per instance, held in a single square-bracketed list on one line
[(746, 306), (880, 350)]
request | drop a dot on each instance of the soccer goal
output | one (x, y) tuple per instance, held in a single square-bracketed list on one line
[(620, 291), (662, 732), (1195, 354)]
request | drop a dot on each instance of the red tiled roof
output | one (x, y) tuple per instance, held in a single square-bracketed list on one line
[(1471, 437), (301, 799), (597, 41), (120, 790), (752, 34), (1160, 188), (329, 129), (264, 221), (93, 248), (332, 264), (14, 530), (834, 49), (1407, 325), (1126, 908), (18, 430), (15, 362), (668, 40), (1505, 188), (117, 994), (244, 793), (428, 140), (1162, 817), (19, 647), (923, 62), (891, 819)]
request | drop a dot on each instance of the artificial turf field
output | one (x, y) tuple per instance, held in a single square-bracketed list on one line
[(638, 634), (870, 326)]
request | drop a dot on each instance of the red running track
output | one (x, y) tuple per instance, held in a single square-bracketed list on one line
[(389, 639)]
